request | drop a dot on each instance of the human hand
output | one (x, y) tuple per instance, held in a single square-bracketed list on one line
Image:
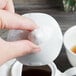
[(11, 20), (7, 5)]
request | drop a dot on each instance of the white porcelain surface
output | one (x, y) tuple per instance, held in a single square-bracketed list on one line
[(70, 72), (5, 69), (17, 69), (69, 42), (48, 36)]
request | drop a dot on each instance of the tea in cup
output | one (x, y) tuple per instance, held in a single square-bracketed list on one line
[(36, 71), (73, 49), (70, 44), (18, 67)]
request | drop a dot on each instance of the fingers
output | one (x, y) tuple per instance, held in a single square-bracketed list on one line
[(3, 4), (10, 50), (15, 21), (7, 5), (20, 48), (10, 6)]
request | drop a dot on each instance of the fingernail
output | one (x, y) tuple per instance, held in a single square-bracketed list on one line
[(37, 50), (35, 26)]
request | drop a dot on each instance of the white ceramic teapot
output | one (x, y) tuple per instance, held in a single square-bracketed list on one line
[(48, 36)]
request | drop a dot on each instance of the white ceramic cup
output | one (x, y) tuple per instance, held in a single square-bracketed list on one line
[(69, 42), (17, 70)]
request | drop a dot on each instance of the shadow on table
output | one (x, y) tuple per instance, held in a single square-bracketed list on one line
[(62, 62)]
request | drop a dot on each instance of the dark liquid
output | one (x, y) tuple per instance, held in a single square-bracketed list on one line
[(36, 72)]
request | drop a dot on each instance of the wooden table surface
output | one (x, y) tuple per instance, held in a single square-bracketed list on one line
[(65, 20)]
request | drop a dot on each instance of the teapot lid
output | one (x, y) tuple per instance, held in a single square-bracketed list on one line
[(48, 36)]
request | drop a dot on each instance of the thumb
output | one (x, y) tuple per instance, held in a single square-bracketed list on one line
[(14, 21), (10, 50), (20, 48)]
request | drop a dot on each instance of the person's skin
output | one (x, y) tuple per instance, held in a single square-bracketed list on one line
[(10, 20)]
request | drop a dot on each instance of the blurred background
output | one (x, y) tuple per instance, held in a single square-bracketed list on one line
[(38, 3)]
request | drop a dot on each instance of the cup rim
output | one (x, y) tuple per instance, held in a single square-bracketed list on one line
[(52, 67), (15, 68), (74, 26)]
